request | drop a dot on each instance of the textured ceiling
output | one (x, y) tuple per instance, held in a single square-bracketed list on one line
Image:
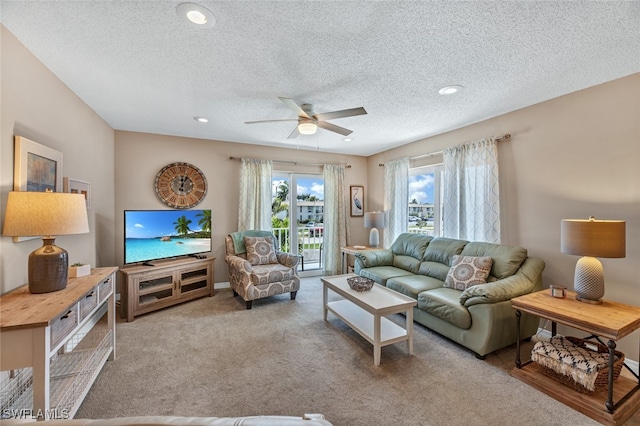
[(142, 68)]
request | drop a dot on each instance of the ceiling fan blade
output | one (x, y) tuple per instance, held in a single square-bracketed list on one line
[(340, 114), (294, 134), (270, 121), (294, 107), (334, 128)]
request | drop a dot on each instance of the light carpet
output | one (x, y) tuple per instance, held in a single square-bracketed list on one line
[(211, 357)]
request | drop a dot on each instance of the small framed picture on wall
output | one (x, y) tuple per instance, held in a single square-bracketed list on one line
[(357, 200), (76, 186)]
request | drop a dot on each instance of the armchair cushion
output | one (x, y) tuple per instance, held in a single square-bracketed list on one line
[(467, 271), (236, 245), (260, 250), (266, 274)]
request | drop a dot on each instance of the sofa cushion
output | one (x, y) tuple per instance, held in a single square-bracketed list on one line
[(467, 271), (434, 269), (381, 274), (260, 250), (506, 259), (412, 285), (441, 250), (444, 303), (408, 263), (412, 245)]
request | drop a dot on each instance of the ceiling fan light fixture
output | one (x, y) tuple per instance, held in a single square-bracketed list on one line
[(450, 90), (307, 128), (196, 14)]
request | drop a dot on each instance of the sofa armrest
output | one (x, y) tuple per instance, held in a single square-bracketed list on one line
[(371, 258), (526, 280), (287, 259)]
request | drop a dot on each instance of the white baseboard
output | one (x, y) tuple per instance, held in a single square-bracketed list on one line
[(544, 334)]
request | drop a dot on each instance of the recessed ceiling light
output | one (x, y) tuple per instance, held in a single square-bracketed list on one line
[(347, 139), (196, 14), (201, 119), (449, 90)]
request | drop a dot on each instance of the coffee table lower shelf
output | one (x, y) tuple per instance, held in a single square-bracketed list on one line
[(363, 323), (591, 405)]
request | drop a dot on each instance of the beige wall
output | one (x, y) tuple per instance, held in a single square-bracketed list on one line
[(570, 157), (139, 157), (38, 106)]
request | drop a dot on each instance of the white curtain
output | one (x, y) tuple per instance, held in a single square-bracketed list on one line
[(471, 196), (254, 210), (396, 199), (336, 218)]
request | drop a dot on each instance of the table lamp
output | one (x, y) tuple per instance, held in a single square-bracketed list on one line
[(591, 238), (44, 214), (374, 220)]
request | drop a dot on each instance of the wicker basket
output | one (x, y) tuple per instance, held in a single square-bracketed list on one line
[(602, 379), (360, 283)]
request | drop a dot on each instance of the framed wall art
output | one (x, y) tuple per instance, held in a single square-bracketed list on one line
[(357, 200), (35, 168), (77, 186)]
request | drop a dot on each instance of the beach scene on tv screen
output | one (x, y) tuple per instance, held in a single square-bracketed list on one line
[(160, 234)]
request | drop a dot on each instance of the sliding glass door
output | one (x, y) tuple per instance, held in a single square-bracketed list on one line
[(298, 216)]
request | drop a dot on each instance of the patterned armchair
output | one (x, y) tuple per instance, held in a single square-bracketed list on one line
[(257, 269)]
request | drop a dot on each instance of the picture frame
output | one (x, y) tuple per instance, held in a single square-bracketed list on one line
[(36, 168), (77, 186), (356, 200)]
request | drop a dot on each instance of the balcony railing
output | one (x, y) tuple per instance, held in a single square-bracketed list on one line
[(310, 247)]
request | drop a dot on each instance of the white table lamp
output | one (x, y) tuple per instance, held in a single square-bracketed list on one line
[(592, 238), (374, 220)]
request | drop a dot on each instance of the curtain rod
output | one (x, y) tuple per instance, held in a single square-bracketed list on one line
[(503, 138), (297, 163)]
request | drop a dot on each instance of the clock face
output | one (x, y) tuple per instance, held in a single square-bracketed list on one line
[(180, 185)]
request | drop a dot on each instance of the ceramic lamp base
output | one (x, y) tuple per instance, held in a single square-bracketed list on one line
[(374, 238), (48, 268), (588, 281)]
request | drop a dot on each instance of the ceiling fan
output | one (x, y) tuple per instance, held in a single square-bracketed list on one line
[(308, 121)]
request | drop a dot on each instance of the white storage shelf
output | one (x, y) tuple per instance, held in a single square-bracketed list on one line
[(52, 375)]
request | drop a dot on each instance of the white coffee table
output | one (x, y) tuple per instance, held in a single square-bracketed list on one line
[(365, 312)]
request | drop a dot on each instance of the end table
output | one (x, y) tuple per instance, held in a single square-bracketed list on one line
[(611, 321)]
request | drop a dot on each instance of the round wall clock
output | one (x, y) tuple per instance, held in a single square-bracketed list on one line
[(180, 185)]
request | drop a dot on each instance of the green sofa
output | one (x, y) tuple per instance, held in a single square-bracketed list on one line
[(481, 317)]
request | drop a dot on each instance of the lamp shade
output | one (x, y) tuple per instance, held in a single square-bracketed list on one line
[(374, 220), (36, 214), (594, 238)]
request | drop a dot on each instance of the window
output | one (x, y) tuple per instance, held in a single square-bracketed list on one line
[(425, 206)]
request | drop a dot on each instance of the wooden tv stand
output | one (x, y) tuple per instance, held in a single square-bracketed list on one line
[(149, 288)]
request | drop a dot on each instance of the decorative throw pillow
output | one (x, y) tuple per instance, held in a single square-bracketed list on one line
[(260, 250), (467, 271)]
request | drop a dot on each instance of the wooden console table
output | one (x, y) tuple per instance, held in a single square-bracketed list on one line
[(611, 321), (55, 344)]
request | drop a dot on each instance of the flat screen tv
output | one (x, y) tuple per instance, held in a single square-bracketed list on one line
[(161, 234)]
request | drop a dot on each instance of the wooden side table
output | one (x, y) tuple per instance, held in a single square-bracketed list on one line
[(351, 250), (611, 321)]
